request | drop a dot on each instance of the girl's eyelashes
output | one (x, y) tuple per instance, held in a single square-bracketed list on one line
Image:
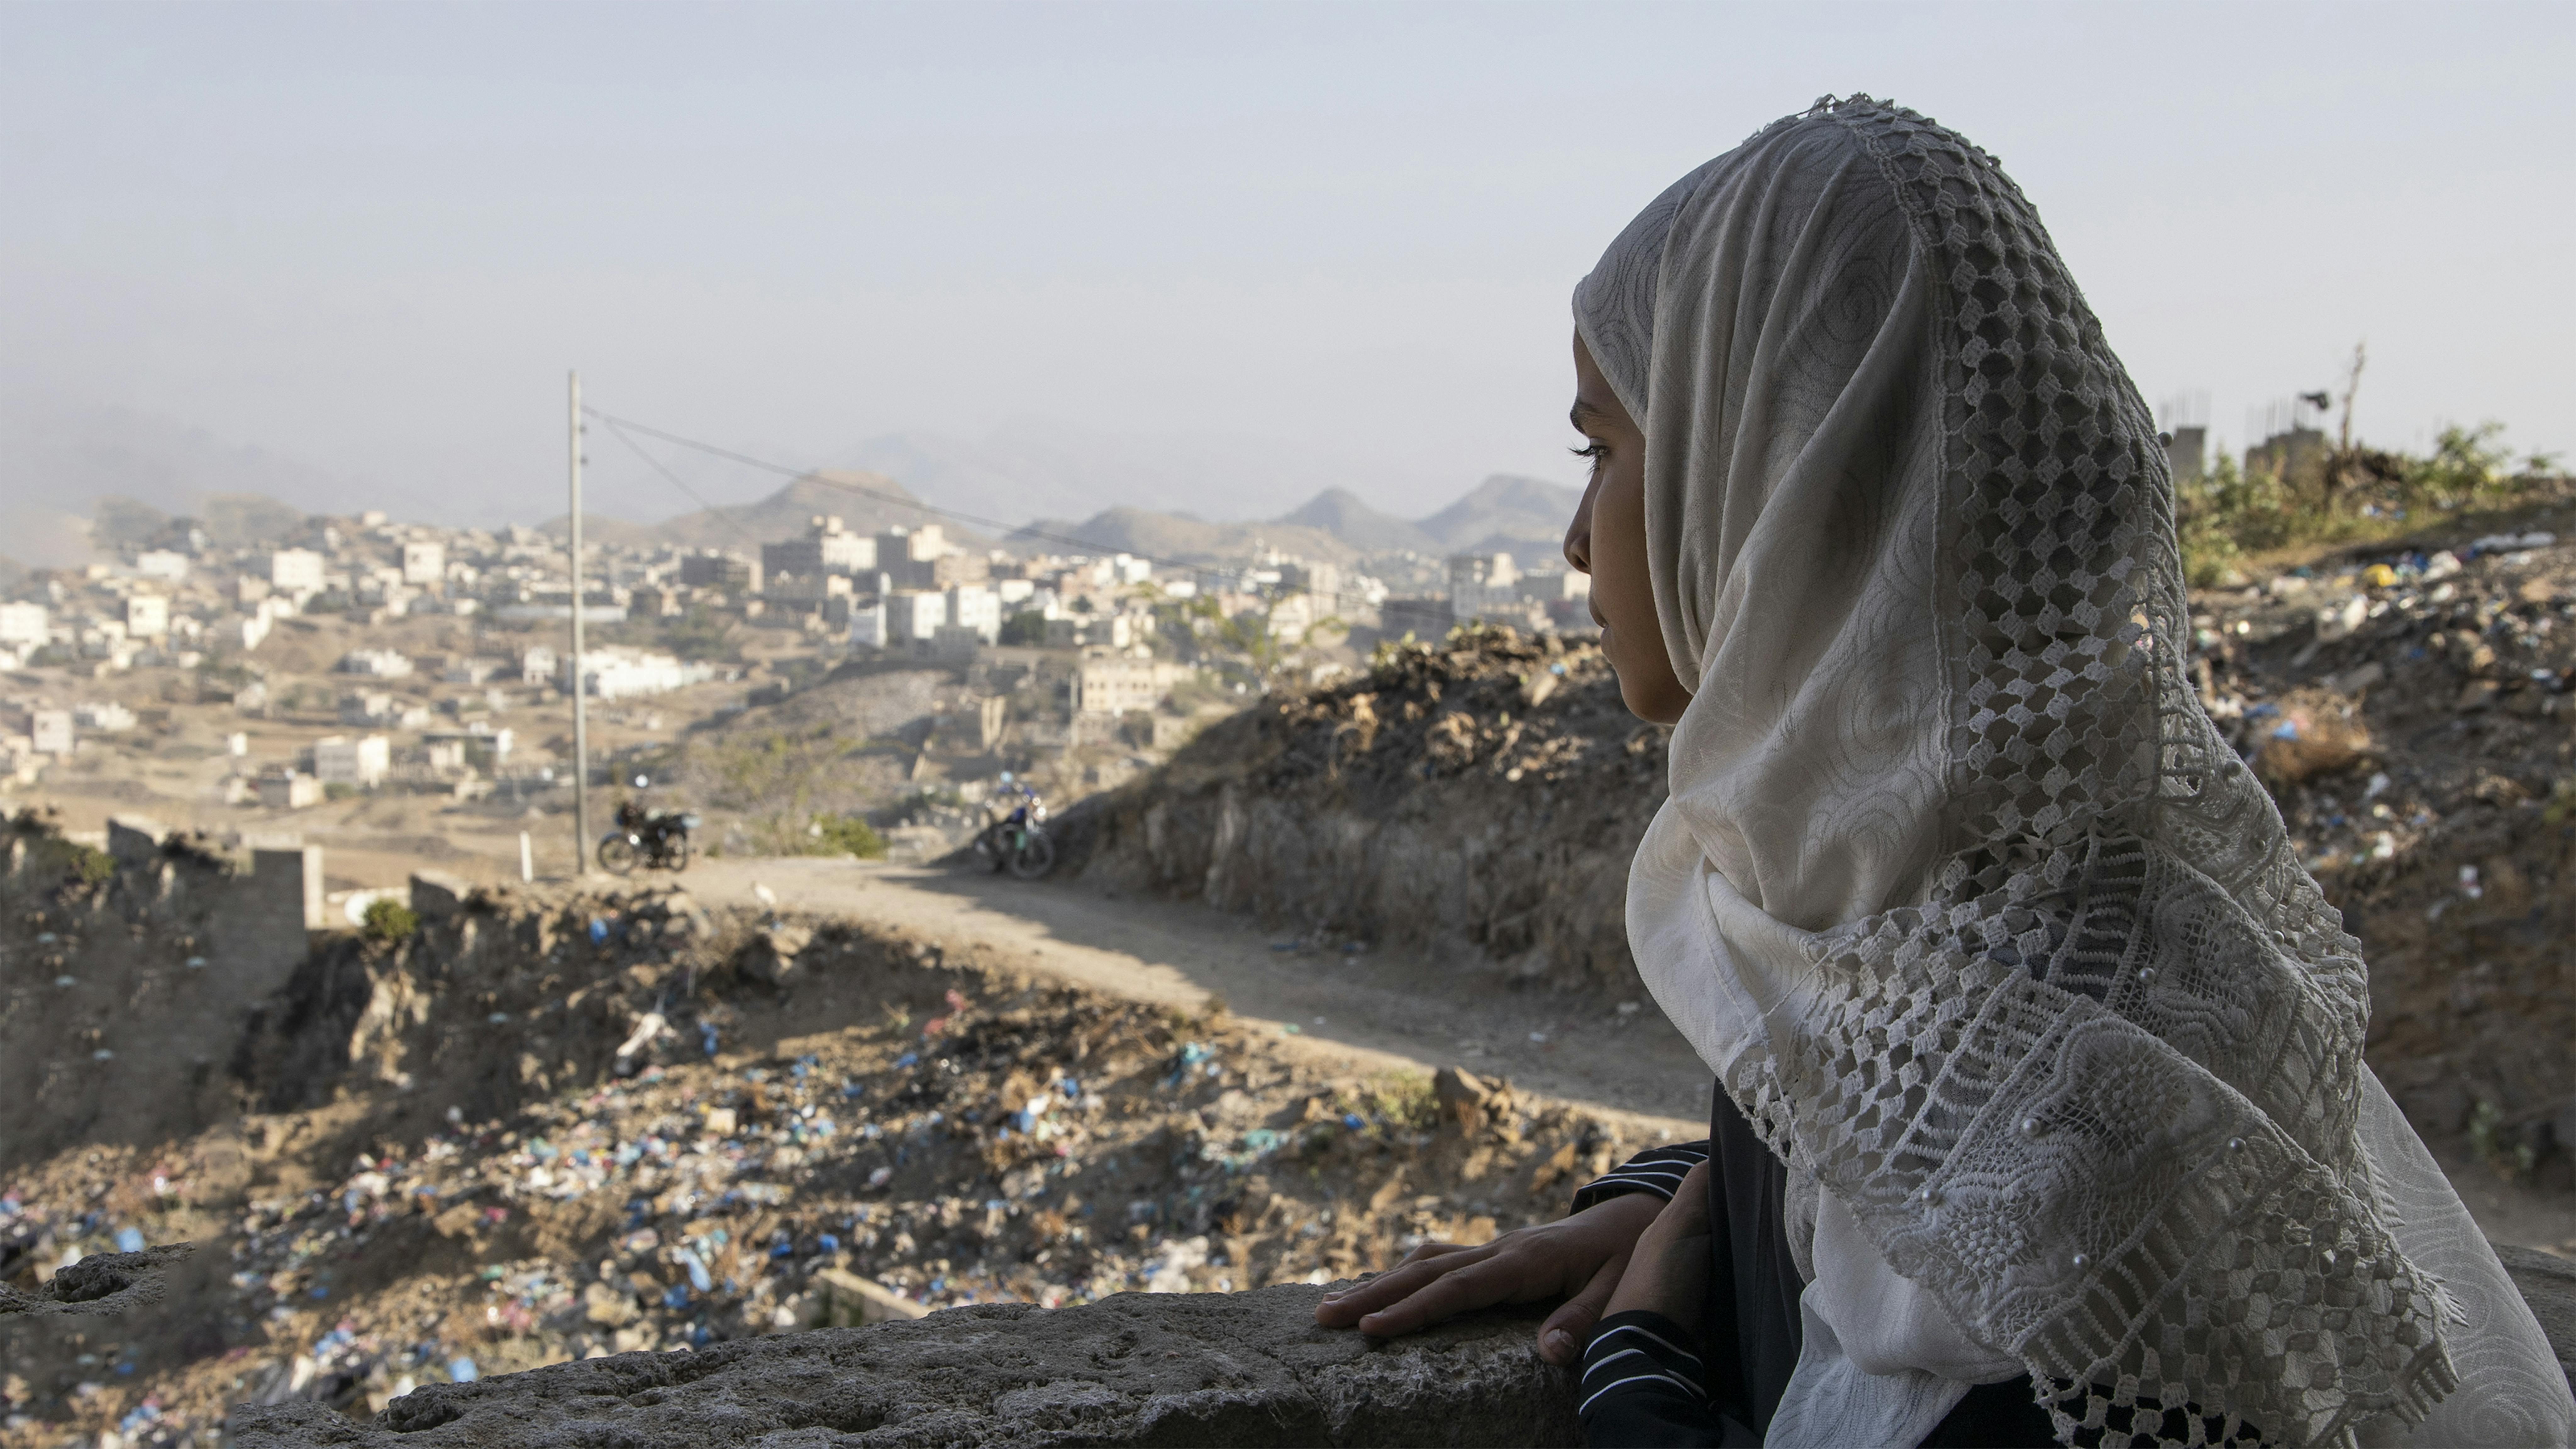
[(1596, 451)]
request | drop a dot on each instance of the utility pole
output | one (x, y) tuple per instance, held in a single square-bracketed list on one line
[(580, 710)]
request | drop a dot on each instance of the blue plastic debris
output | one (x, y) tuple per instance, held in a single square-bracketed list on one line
[(462, 1370), (129, 1240), (675, 1296), (908, 1059), (598, 931), (699, 1277), (829, 1242), (707, 1036), (1352, 1121)]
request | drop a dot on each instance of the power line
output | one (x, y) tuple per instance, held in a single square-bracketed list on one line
[(619, 428), (619, 425)]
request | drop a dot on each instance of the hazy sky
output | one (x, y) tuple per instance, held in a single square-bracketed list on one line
[(374, 236)]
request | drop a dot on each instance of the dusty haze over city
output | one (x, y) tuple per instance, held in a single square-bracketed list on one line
[(1035, 261)]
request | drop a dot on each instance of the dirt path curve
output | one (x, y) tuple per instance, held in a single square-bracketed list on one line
[(1375, 1010)]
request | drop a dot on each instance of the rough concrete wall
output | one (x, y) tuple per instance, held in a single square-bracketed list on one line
[(1141, 1369), (1137, 1369), (124, 995)]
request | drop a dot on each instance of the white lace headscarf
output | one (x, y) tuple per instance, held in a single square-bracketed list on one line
[(1958, 891)]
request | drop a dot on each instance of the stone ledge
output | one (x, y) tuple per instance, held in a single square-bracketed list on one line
[(1141, 1369), (1137, 1369)]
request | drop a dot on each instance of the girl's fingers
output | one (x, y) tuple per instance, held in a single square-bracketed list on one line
[(1569, 1328), (1421, 1266), (1472, 1285)]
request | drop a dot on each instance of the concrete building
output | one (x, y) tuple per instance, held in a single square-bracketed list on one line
[(162, 563), (2187, 453), (288, 790), (913, 614), (147, 616), (621, 672), (1107, 683), (1485, 586), (381, 663), (108, 715), (976, 607), (910, 557), (23, 624), (537, 665), (720, 571), (826, 548), (424, 564), (339, 760), (49, 731), (868, 623), (295, 570)]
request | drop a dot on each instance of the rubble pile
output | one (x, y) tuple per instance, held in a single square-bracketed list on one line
[(1483, 794), (551, 1126), (2409, 711)]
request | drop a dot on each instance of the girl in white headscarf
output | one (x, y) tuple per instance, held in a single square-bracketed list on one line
[(2042, 1112)]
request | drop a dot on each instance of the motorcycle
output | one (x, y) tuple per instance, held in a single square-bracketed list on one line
[(658, 839), (1018, 841)]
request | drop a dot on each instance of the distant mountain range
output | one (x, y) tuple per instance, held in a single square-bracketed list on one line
[(864, 502), (1033, 468), (1505, 513), (74, 478)]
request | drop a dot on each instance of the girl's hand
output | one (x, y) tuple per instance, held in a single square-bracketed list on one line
[(1667, 1272), (1578, 1258)]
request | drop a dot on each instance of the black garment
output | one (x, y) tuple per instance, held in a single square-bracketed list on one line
[(1750, 1335)]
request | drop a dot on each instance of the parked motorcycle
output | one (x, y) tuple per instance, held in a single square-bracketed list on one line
[(1018, 840), (658, 839)]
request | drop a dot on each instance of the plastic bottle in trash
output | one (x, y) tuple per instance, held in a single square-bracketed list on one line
[(462, 1370), (129, 1240)]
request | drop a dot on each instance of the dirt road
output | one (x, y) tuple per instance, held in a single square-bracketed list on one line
[(1372, 1009)]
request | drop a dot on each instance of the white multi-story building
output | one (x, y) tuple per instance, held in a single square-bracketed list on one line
[(381, 663), (147, 616), (424, 564), (339, 760), (537, 665), (50, 731), (620, 672), (107, 715), (913, 614), (976, 607), (162, 563), (295, 570), (23, 624)]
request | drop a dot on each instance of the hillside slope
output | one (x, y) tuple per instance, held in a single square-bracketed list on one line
[(2412, 734)]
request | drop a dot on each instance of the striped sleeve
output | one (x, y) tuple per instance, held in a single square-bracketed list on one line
[(1642, 1385), (1657, 1170)]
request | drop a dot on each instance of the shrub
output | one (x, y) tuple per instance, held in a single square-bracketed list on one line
[(91, 865), (339, 790), (390, 921), (848, 835)]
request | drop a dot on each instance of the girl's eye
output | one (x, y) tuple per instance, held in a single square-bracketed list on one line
[(1596, 452)]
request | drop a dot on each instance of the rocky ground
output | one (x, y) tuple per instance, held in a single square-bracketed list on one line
[(448, 1167)]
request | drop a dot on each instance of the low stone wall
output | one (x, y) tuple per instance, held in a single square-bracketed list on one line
[(1137, 1369), (1140, 1369)]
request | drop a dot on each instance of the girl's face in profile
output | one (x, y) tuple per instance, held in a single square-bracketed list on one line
[(1608, 541)]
